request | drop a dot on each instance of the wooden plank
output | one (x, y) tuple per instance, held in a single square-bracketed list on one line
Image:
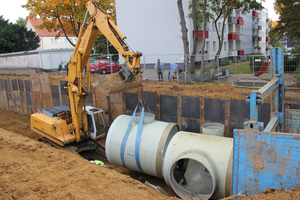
[(36, 93), (227, 118), (202, 111), (46, 91), (292, 120), (265, 160)]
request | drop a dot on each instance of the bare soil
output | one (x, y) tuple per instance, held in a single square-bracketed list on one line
[(32, 170)]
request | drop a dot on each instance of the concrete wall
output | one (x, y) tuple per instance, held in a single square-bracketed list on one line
[(38, 59), (190, 112)]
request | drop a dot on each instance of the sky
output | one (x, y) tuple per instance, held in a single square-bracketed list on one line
[(12, 9)]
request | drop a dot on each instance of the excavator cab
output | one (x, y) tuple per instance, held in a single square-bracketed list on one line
[(96, 122)]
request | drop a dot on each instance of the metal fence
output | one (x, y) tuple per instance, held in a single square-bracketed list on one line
[(252, 71)]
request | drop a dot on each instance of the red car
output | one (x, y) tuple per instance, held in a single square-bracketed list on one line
[(103, 66)]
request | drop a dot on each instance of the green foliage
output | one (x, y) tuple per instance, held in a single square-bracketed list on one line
[(256, 61), (296, 49), (199, 14), (21, 22), (290, 63), (297, 75), (289, 21), (100, 46), (14, 38)]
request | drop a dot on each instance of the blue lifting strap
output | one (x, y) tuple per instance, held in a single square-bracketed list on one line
[(138, 137), (126, 135), (138, 142)]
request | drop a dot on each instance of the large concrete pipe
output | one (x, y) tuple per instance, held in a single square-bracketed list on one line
[(216, 129), (142, 152), (199, 166)]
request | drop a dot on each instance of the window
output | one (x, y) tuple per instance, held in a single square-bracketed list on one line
[(66, 41), (225, 46), (214, 28), (51, 41), (219, 26), (225, 27), (60, 40), (214, 46), (207, 46)]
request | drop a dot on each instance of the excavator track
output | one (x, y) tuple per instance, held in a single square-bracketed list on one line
[(86, 145)]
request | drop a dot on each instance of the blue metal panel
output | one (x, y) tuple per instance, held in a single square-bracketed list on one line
[(265, 160)]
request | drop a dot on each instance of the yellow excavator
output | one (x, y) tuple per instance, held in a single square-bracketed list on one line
[(79, 126)]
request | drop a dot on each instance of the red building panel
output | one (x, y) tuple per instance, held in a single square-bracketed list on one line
[(232, 36), (240, 52), (240, 22)]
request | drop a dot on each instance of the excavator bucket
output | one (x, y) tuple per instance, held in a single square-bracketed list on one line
[(115, 83)]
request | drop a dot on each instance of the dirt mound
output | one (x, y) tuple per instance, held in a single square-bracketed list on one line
[(32, 170)]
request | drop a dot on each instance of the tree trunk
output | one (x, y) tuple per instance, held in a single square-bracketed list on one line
[(203, 39), (194, 51), (184, 31), (221, 40)]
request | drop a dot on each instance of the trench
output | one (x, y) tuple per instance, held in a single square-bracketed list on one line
[(133, 174)]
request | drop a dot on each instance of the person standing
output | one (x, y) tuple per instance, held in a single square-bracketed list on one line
[(159, 68)]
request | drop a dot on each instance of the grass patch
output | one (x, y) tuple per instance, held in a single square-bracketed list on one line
[(240, 68)]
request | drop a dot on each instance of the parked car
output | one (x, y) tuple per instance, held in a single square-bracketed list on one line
[(103, 66)]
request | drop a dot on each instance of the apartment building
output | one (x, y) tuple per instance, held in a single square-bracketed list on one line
[(153, 27), (47, 38)]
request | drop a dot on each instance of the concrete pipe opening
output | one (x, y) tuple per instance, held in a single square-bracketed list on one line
[(142, 152), (207, 165), (192, 176), (215, 129)]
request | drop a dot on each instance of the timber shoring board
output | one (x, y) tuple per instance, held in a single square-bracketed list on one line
[(169, 106), (292, 120)]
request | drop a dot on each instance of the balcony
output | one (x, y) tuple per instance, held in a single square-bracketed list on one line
[(254, 26), (232, 20), (259, 27), (200, 34), (259, 16), (268, 39), (240, 22), (232, 36), (254, 14), (254, 38), (240, 52)]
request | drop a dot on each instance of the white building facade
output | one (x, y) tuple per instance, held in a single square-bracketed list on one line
[(153, 28), (47, 38)]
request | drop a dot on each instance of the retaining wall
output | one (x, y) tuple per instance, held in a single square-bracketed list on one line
[(190, 112)]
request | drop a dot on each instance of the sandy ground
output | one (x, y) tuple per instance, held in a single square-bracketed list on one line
[(32, 170)]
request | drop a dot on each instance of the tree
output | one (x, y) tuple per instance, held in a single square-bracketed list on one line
[(21, 22), (200, 18), (63, 17), (184, 31), (14, 38), (221, 10), (100, 46), (289, 21), (275, 35)]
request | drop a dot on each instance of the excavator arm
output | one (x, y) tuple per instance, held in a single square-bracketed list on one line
[(100, 21), (125, 79)]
